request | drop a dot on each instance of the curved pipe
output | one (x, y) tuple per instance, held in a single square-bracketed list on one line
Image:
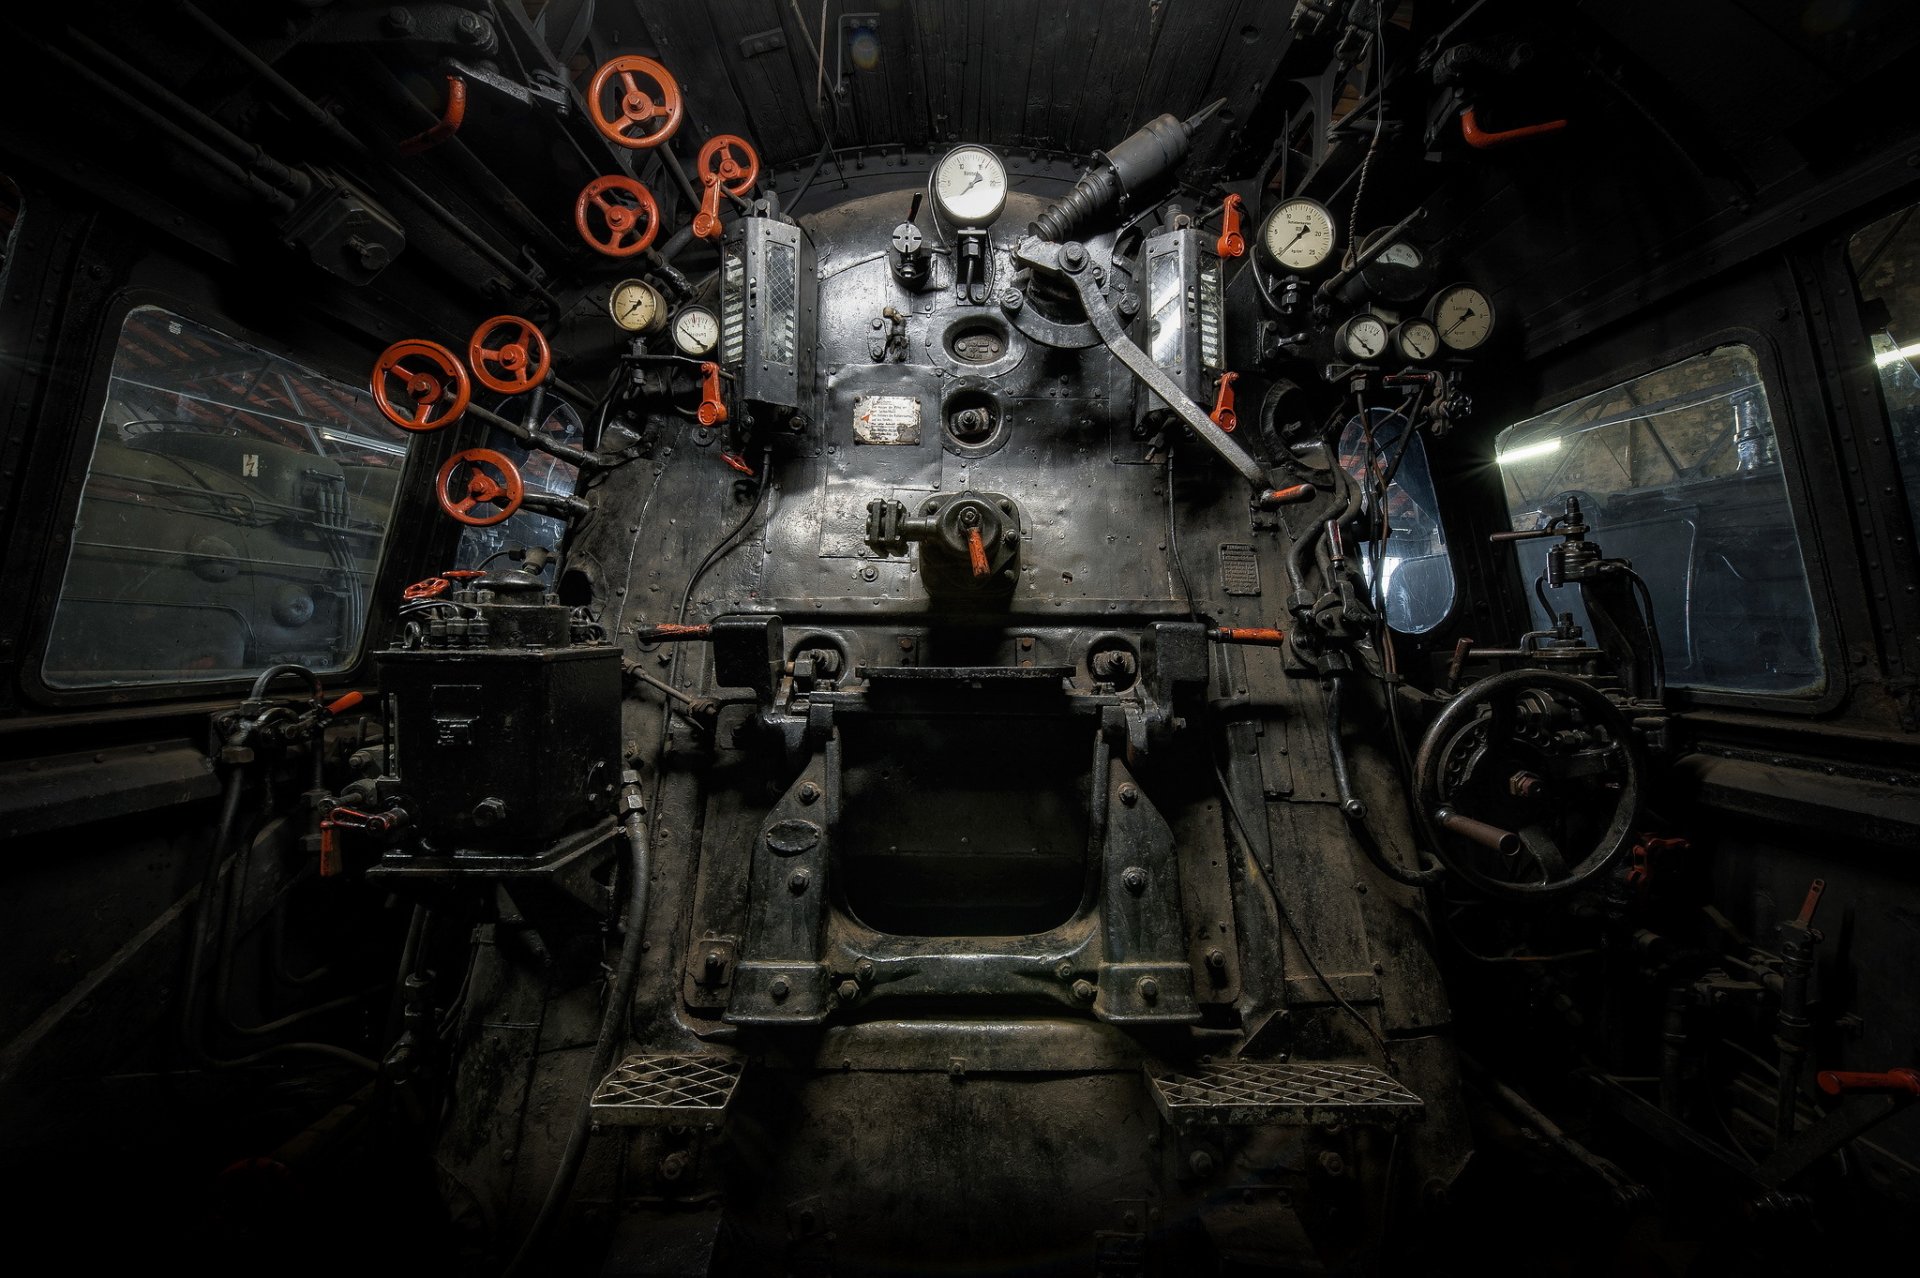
[(1354, 810)]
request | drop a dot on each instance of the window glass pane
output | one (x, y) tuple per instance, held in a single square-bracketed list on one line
[(1679, 472), (542, 473), (233, 516), (1886, 264), (1415, 574)]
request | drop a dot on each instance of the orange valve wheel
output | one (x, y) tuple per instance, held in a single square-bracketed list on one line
[(624, 207), (433, 386), (465, 482), (637, 119), (509, 355), (729, 161)]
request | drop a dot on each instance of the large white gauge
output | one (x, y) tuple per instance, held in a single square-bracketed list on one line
[(1363, 337), (637, 306), (1298, 234), (696, 330), (1462, 315), (1415, 340), (970, 186)]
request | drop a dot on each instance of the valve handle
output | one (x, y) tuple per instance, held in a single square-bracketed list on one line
[(428, 588), (730, 161), (1899, 1082), (1223, 415), (713, 409), (509, 354), (433, 385), (1231, 243), (631, 224), (977, 553), (621, 81), (1286, 496), (479, 487)]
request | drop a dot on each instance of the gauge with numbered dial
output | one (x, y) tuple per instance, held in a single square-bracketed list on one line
[(1298, 234), (637, 306), (970, 186), (1363, 337), (1398, 253), (696, 331), (1462, 315), (1416, 340)]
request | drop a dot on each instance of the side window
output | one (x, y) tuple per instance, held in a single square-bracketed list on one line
[(542, 473), (1886, 267), (1416, 577), (234, 514), (1679, 472)]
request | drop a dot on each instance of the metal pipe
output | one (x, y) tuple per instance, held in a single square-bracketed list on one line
[(565, 452), (1378, 247), (1491, 837)]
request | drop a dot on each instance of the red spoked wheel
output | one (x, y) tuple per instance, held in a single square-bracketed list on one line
[(731, 162), (465, 482), (509, 355), (624, 208), (432, 383), (631, 83)]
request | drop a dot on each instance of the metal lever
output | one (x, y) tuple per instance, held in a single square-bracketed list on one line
[(1898, 1082)]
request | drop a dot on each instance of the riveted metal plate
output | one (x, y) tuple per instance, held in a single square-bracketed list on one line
[(1237, 1093), (1239, 569), (654, 1091)]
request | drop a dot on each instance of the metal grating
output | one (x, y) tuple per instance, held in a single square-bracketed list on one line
[(733, 309), (1239, 569), (782, 310), (1245, 1093), (667, 1090)]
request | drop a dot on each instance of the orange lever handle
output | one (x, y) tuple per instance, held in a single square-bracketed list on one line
[(347, 702), (1231, 242), (1481, 139), (713, 409), (977, 553), (1284, 496), (1223, 415), (1900, 1082)]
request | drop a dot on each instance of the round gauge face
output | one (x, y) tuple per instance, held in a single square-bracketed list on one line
[(1462, 315), (1416, 340), (970, 186), (637, 306), (696, 330), (1398, 253), (1299, 235), (1363, 337)]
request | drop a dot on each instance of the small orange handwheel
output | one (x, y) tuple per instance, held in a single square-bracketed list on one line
[(509, 354), (427, 588), (730, 161), (631, 223), (633, 104), (476, 487), (434, 385)]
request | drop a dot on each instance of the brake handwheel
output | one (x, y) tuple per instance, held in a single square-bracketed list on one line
[(730, 161), (630, 222), (509, 355), (433, 385), (464, 482), (627, 79), (1518, 773)]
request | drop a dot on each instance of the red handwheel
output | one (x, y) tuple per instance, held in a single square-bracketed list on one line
[(631, 222), (730, 161), (631, 83), (433, 385), (509, 354), (465, 482)]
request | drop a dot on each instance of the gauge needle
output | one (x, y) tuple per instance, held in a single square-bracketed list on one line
[(1465, 315), (636, 306)]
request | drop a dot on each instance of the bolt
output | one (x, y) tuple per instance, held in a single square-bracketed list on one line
[(809, 792), (1134, 879), (1201, 1162), (673, 1165), (779, 988), (849, 991), (1332, 1164), (1083, 990), (398, 21), (1073, 255), (1129, 794), (869, 573), (1353, 808), (863, 971), (1065, 970), (1217, 960), (1149, 989), (489, 811), (798, 880)]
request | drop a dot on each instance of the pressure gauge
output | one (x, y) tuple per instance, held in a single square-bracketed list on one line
[(970, 186), (1298, 234), (696, 330), (637, 306), (1462, 315), (1416, 340), (1363, 337), (1398, 253)]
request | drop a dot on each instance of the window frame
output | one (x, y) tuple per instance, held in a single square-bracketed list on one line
[(84, 441), (1797, 480)]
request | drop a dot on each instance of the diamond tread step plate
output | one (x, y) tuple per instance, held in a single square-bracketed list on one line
[(649, 1090), (1236, 1093)]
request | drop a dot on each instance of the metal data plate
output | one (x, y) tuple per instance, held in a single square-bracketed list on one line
[(1236, 1093), (662, 1091)]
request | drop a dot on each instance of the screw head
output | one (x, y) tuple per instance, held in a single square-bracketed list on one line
[(809, 792), (849, 991), (1149, 989), (1134, 879), (1217, 960), (863, 971), (1073, 255), (1129, 794), (797, 881), (1083, 990), (779, 988)]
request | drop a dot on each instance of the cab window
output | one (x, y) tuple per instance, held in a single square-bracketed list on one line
[(1408, 553), (1679, 471), (233, 517)]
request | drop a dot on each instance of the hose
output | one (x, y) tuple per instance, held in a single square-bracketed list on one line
[(1353, 809), (603, 1049)]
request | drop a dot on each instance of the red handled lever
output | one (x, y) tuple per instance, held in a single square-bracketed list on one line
[(1248, 634), (346, 703), (977, 553), (1231, 242), (1898, 1082), (668, 632), (445, 127), (1481, 140), (713, 409), (1286, 496), (1223, 415)]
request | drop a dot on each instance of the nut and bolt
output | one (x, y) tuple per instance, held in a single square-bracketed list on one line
[(1134, 879), (1332, 1164), (1129, 794), (1217, 960), (1065, 970), (849, 991), (1149, 990), (863, 971), (1073, 255), (1083, 990), (1200, 1162), (779, 988), (797, 881), (809, 792)]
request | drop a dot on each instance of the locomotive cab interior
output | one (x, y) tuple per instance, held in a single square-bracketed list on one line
[(1122, 638)]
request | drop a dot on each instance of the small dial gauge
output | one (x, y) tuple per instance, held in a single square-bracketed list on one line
[(1398, 253), (1299, 235), (637, 306), (1363, 337), (1462, 315), (696, 330), (970, 186), (1416, 340)]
